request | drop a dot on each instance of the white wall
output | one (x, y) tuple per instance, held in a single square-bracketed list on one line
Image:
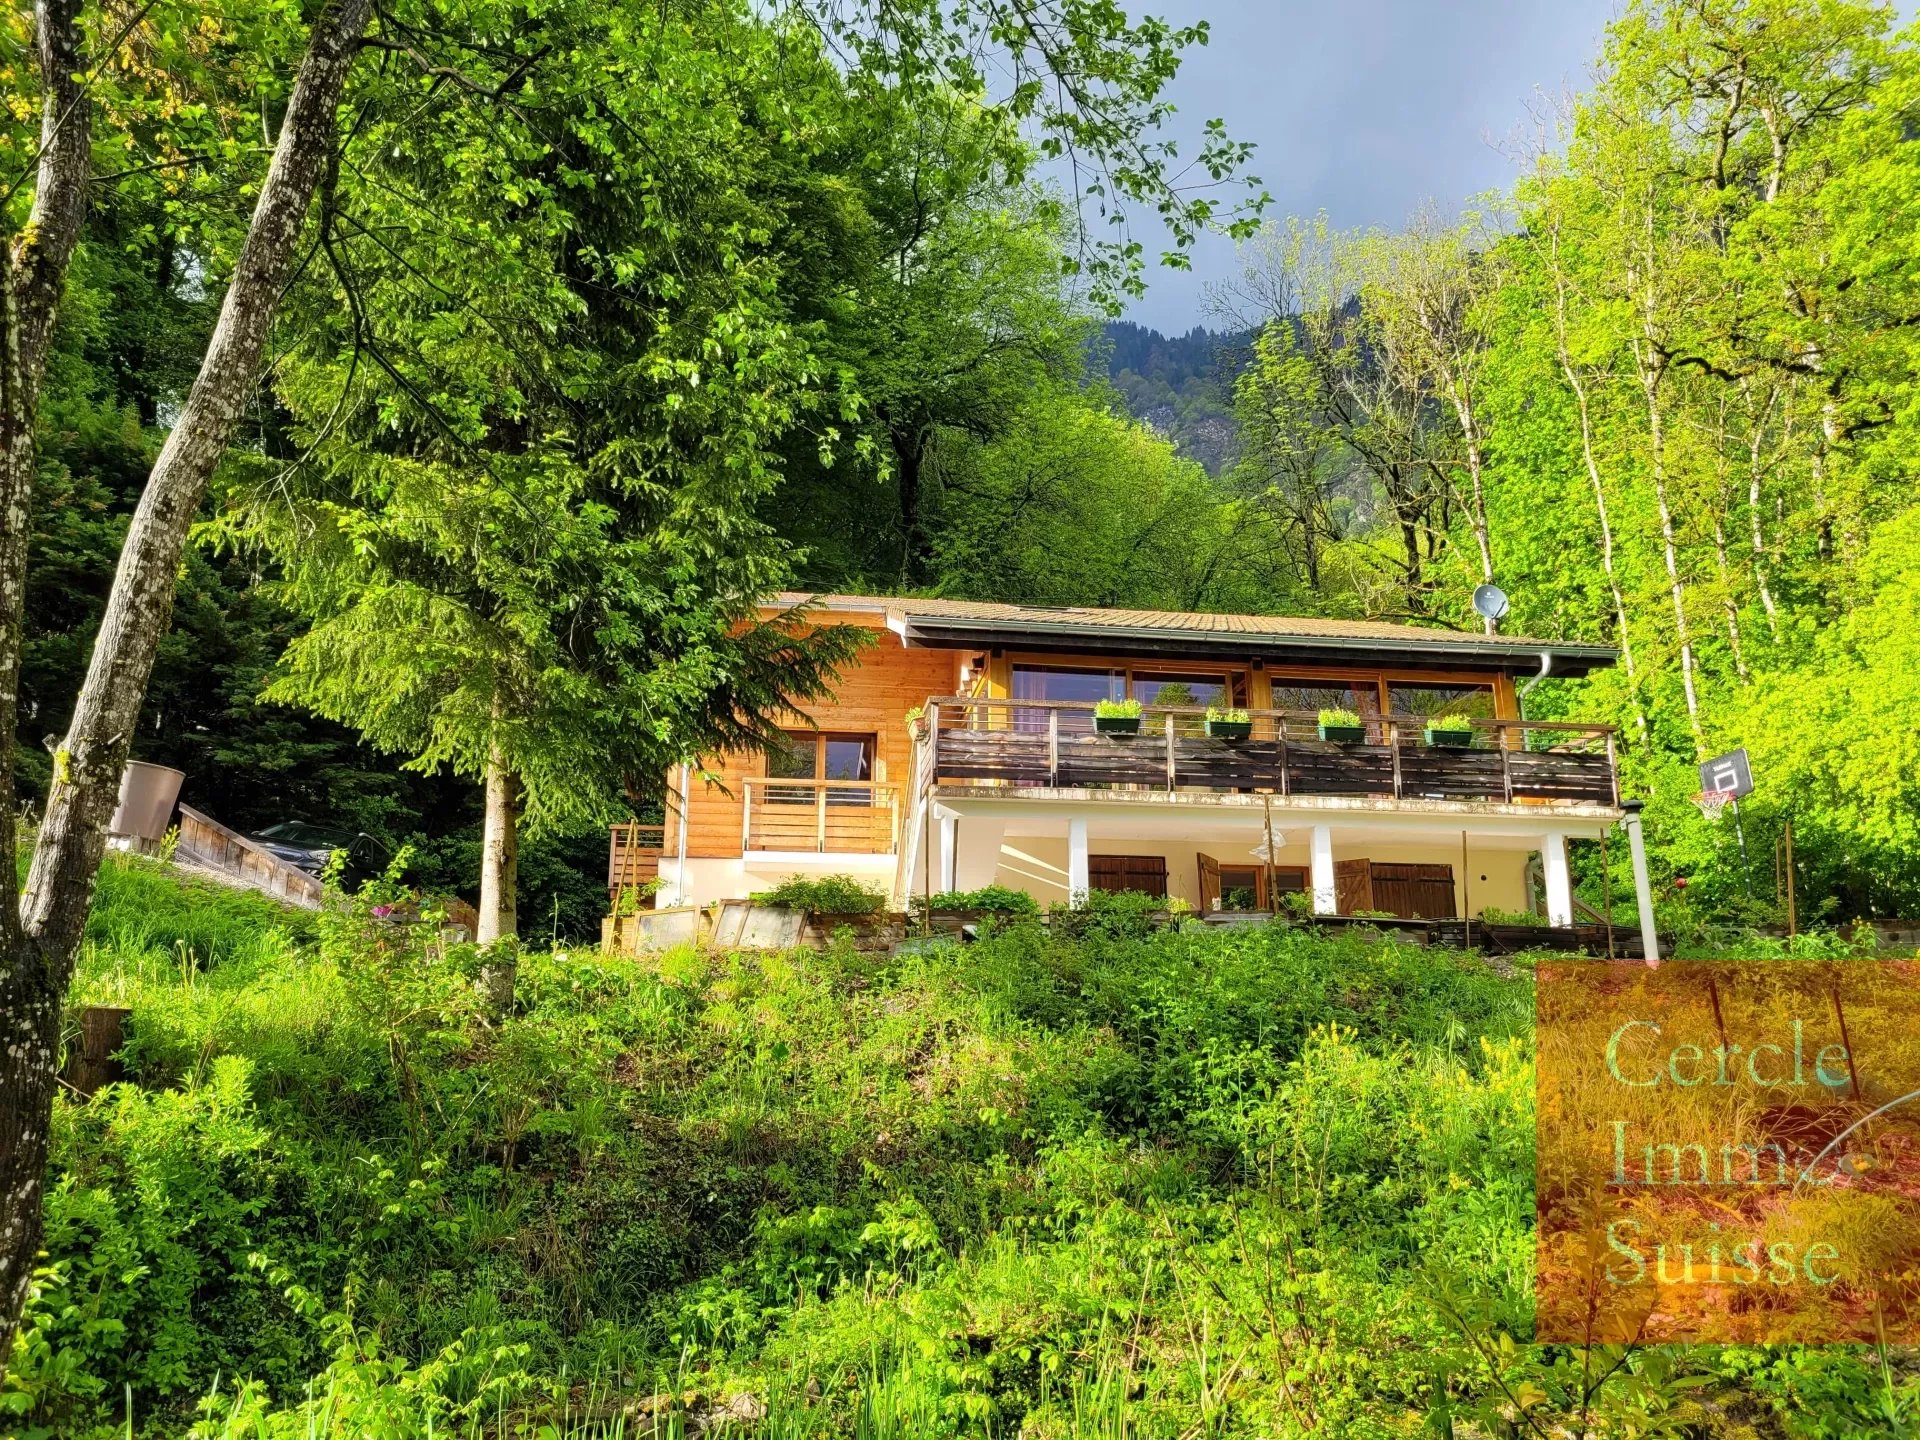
[(735, 879), (1038, 863)]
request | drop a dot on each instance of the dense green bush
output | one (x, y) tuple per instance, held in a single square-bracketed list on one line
[(825, 895), (999, 899), (1046, 1184)]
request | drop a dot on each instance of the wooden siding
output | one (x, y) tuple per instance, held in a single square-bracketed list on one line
[(875, 694)]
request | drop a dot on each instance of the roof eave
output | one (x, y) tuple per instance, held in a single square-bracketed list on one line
[(1569, 660)]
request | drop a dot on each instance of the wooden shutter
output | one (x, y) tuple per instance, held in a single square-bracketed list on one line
[(1209, 884), (1416, 892), (1352, 886), (1146, 874)]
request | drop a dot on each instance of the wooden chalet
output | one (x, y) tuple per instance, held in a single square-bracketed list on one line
[(961, 750)]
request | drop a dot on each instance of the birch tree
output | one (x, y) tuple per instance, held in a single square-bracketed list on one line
[(43, 928)]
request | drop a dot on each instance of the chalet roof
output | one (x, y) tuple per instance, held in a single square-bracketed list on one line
[(1301, 638)]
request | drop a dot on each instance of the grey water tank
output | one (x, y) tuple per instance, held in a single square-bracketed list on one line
[(147, 796)]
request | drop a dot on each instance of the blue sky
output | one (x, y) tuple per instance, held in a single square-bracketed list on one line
[(1364, 108)]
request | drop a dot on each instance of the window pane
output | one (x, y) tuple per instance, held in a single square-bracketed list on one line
[(1239, 887), (1313, 696), (1183, 691), (1429, 700), (795, 762), (1179, 689), (1046, 682), (848, 757)]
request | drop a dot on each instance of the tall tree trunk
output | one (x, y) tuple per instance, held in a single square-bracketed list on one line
[(44, 932), (1583, 405), (499, 922), (1727, 602), (499, 854), (1607, 563), (1756, 433), (1476, 467), (910, 454), (33, 276), (1652, 372)]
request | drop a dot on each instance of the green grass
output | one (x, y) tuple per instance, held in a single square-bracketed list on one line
[(1212, 1184)]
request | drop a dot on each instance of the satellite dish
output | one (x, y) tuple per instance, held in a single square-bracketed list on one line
[(1489, 602)]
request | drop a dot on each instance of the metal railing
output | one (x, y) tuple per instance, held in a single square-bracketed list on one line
[(1054, 743), (822, 817)]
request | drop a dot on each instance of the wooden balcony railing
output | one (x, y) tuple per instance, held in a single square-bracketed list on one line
[(822, 817), (633, 855), (1052, 743)]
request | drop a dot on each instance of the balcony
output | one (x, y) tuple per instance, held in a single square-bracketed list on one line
[(1031, 744), (819, 817)]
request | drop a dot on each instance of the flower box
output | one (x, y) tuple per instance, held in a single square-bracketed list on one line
[(1116, 724), (1229, 729), (1449, 739), (1344, 734)]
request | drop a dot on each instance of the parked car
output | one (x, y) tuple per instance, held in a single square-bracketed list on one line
[(308, 847)]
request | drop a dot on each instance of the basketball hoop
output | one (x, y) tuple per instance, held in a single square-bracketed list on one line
[(1713, 803)]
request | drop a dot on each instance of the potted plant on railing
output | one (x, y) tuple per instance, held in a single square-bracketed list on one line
[(1117, 717), (1453, 732), (1342, 725), (1228, 724)]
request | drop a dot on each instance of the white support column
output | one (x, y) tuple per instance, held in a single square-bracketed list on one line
[(1642, 885), (949, 850), (1324, 900), (1077, 884), (1559, 880)]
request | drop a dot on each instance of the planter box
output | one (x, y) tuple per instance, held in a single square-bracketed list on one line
[(1449, 739), (832, 920), (1116, 724), (1344, 734), (1229, 729), (951, 922), (872, 932)]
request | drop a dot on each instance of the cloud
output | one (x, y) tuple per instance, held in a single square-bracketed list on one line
[(1364, 108)]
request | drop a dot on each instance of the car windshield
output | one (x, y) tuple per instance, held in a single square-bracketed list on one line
[(299, 832)]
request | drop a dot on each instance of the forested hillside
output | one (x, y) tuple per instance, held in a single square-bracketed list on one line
[(1181, 385)]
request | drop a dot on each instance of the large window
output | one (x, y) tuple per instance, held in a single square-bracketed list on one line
[(1053, 682), (811, 755), (1156, 687), (1426, 701), (1315, 695)]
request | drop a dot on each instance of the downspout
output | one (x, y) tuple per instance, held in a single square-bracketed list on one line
[(680, 882), (1520, 693)]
